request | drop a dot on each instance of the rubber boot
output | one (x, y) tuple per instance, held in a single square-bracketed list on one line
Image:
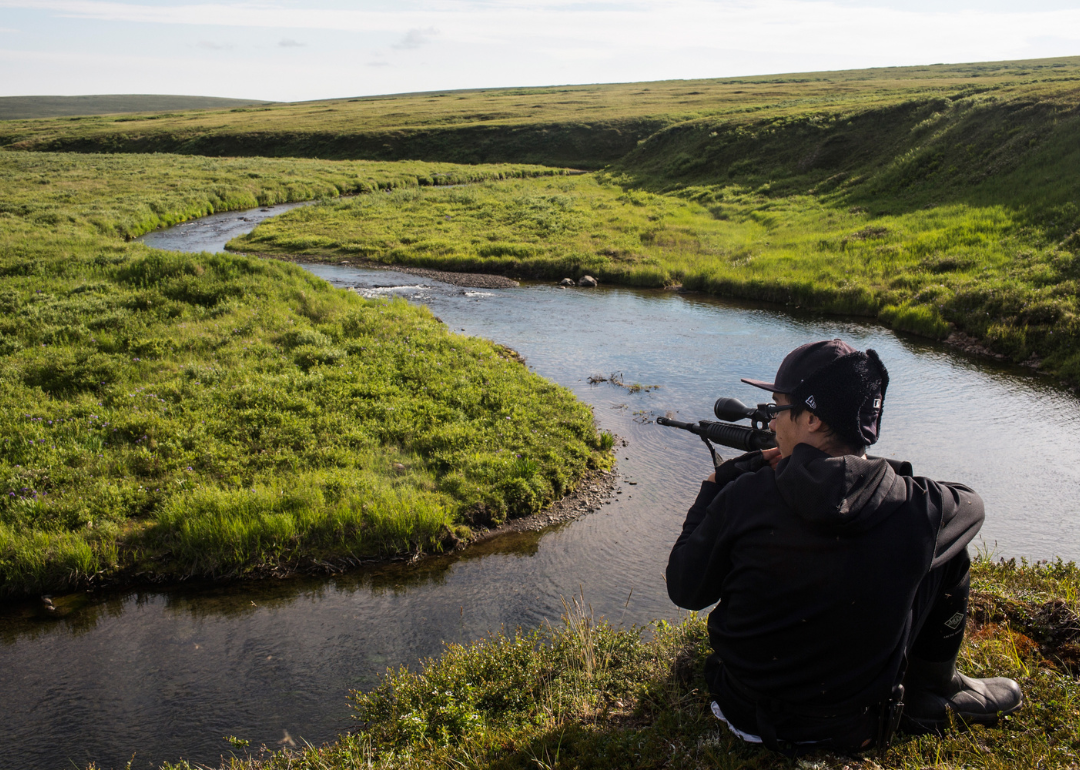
[(932, 690)]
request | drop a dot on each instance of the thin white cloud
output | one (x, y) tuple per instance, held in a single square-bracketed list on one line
[(415, 38), (235, 14), (212, 45), (378, 64), (780, 25), (288, 42)]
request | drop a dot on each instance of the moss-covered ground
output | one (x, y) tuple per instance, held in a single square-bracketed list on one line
[(172, 415), (587, 695)]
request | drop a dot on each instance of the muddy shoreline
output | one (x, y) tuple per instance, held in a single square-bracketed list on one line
[(596, 489)]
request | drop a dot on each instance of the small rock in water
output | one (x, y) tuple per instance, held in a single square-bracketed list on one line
[(587, 280), (566, 282)]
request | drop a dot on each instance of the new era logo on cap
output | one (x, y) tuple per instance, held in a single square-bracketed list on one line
[(811, 403)]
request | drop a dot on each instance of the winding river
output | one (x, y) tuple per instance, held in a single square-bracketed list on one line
[(160, 675)]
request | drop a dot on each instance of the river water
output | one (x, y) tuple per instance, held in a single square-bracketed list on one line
[(163, 675)]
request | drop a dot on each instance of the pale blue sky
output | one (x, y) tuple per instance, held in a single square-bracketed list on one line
[(291, 50)]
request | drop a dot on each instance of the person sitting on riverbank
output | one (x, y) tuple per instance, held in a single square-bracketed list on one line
[(842, 579)]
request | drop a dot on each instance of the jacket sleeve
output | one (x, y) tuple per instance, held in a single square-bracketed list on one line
[(962, 515), (960, 507), (690, 557), (698, 561)]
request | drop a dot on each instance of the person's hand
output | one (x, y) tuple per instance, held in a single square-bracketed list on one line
[(712, 477), (771, 456)]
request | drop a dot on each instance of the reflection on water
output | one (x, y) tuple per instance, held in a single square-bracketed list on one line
[(81, 613), (166, 674)]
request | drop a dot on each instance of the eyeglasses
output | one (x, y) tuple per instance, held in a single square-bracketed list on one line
[(774, 410)]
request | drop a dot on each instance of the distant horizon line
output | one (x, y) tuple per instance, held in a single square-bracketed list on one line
[(481, 89)]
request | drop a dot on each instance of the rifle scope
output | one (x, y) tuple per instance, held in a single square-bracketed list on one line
[(735, 436)]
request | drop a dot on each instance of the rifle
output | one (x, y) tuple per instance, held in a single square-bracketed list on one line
[(757, 436)]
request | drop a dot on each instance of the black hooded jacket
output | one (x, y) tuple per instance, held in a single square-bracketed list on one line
[(815, 567)]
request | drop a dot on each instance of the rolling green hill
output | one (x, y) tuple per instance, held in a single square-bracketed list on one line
[(580, 126)]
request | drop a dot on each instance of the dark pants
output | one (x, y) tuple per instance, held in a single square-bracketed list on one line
[(938, 615), (940, 611)]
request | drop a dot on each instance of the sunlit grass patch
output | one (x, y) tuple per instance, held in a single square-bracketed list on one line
[(169, 415)]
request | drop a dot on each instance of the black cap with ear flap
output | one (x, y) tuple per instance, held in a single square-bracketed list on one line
[(874, 404), (848, 394)]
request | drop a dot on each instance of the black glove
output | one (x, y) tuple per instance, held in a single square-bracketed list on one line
[(728, 471)]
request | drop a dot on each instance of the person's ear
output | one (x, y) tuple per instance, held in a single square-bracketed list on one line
[(813, 422)]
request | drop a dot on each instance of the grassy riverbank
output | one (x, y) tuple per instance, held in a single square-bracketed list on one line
[(588, 695), (173, 415), (1003, 272), (931, 205)]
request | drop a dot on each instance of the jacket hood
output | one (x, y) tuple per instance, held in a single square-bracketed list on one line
[(846, 493)]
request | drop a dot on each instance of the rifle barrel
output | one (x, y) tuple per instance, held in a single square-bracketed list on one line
[(734, 436)]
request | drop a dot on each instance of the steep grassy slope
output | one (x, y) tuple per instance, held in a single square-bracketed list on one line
[(923, 150), (168, 415), (580, 126)]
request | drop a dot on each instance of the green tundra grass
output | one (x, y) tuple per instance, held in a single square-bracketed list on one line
[(173, 415)]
